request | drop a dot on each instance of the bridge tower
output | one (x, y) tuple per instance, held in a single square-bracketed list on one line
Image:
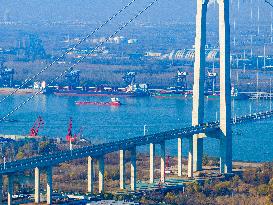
[(196, 144)]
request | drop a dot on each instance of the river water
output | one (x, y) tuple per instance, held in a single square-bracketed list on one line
[(251, 141)]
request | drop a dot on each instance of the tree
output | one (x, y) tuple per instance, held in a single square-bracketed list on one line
[(20, 155), (170, 198)]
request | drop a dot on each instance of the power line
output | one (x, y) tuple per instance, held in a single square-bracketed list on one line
[(81, 59), (68, 50)]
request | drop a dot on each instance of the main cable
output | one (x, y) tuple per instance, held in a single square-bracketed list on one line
[(80, 60), (68, 50), (271, 4)]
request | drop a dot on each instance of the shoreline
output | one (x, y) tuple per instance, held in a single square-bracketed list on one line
[(7, 91)]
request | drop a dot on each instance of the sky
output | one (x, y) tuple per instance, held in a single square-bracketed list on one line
[(98, 10)]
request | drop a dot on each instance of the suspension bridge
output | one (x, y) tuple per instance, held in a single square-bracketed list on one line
[(219, 130)]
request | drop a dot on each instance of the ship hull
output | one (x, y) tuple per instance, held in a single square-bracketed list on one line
[(98, 103), (101, 93)]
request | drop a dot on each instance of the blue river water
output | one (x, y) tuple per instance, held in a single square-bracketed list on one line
[(251, 142)]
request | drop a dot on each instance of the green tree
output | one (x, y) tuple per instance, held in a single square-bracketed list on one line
[(20, 155), (170, 198)]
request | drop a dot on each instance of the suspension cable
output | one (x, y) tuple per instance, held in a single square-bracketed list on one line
[(67, 51), (271, 4), (81, 59)]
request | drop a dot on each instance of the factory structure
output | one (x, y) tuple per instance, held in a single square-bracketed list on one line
[(212, 54)]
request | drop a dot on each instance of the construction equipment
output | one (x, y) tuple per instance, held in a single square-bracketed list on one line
[(129, 78), (211, 82), (181, 80), (39, 123), (6, 76), (70, 137), (73, 78), (34, 48)]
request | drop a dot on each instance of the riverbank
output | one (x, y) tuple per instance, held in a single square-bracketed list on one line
[(7, 91)]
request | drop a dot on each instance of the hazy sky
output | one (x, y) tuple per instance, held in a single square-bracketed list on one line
[(97, 10)]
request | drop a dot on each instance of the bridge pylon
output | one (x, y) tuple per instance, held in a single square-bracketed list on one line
[(196, 153)]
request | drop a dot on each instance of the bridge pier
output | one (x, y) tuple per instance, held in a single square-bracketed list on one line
[(197, 153), (49, 187), (162, 162), (122, 169), (10, 188), (190, 159), (225, 88), (37, 185), (199, 78), (101, 174), (1, 189), (133, 169), (152, 157), (90, 175), (179, 156)]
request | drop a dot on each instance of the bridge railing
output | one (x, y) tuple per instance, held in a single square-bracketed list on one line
[(105, 148)]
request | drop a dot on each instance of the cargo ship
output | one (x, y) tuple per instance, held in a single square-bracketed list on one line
[(172, 94), (113, 102), (177, 91), (131, 89), (105, 91)]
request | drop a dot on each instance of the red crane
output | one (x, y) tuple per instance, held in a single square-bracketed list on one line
[(36, 126), (69, 136)]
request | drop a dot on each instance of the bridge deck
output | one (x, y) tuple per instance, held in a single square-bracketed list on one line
[(125, 144)]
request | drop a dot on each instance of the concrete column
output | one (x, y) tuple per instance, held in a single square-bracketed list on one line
[(90, 175), (49, 187), (225, 88), (179, 156), (10, 188), (101, 174), (1, 189), (121, 169), (162, 161), (197, 153), (152, 157), (199, 78), (133, 169), (37, 185), (190, 163)]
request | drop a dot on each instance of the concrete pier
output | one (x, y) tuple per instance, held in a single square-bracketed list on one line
[(90, 175), (37, 185), (162, 161), (133, 169), (199, 78), (121, 169), (101, 174), (49, 186), (179, 156), (197, 153), (225, 88), (152, 157), (10, 188), (190, 163)]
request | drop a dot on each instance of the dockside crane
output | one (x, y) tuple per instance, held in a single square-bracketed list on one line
[(210, 82), (39, 123), (73, 78), (70, 137), (181, 80), (129, 78), (6, 75)]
